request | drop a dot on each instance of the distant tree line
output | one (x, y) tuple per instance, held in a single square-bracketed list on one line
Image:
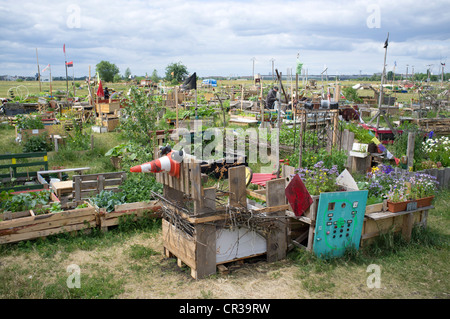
[(417, 77)]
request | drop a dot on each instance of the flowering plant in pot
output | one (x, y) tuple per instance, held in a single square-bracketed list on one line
[(397, 197), (423, 188)]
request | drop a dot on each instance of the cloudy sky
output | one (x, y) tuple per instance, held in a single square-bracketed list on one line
[(222, 37)]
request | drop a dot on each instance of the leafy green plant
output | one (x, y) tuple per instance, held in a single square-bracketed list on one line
[(77, 140), (24, 201), (28, 122), (351, 94), (37, 143), (108, 199), (138, 187), (118, 150), (141, 116), (55, 207), (361, 134)]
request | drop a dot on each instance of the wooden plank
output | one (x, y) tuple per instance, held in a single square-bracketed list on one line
[(187, 187), (271, 209), (100, 184), (374, 208), (275, 195), (237, 186), (408, 222), (24, 221), (387, 214), (93, 177), (179, 243), (77, 182), (10, 216), (205, 237), (45, 233), (256, 195), (277, 239), (49, 224)]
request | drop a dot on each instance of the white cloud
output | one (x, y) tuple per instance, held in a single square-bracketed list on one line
[(220, 37)]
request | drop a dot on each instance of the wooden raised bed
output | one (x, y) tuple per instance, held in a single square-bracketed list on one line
[(380, 222), (20, 226), (138, 209), (107, 106)]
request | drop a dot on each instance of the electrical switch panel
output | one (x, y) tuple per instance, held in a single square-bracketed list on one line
[(339, 222)]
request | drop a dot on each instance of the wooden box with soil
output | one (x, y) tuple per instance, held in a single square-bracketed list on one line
[(26, 225), (133, 210)]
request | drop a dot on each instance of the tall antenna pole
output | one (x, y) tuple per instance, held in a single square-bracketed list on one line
[(382, 79), (39, 72), (273, 76), (253, 73)]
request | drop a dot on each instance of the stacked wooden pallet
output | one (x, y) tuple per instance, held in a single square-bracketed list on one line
[(15, 227), (86, 186), (108, 114), (201, 237)]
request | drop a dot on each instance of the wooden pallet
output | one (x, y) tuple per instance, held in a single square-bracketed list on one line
[(382, 222), (86, 186), (21, 226), (200, 248), (134, 210)]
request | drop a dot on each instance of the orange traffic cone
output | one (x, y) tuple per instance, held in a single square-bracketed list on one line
[(163, 164)]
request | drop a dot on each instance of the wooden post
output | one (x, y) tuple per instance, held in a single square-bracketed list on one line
[(276, 239), (300, 145), (242, 96), (335, 126), (262, 105), (410, 149), (176, 104), (51, 91), (237, 186)]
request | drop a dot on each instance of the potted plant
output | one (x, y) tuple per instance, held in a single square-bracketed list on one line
[(116, 154), (397, 199), (423, 189)]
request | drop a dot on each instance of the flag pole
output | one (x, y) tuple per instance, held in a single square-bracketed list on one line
[(67, 80), (176, 104), (73, 81)]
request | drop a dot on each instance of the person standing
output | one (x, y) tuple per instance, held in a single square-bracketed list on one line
[(271, 97)]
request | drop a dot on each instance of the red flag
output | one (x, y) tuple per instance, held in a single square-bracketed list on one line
[(100, 92), (69, 64)]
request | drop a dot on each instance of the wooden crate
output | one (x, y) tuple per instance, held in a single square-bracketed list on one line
[(191, 250), (106, 106), (110, 123), (138, 209), (212, 241), (89, 185), (381, 222), (21, 226)]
